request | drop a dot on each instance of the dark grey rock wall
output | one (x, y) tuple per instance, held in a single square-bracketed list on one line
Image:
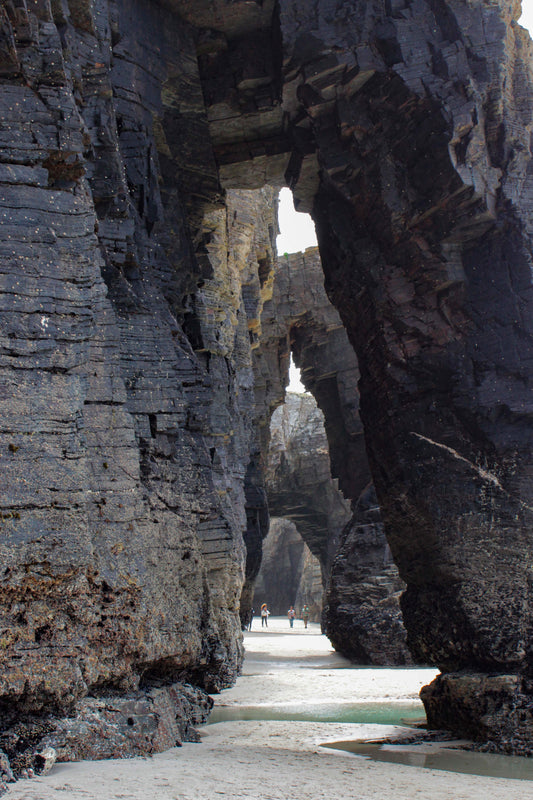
[(423, 215), (362, 616), (128, 403), (407, 132)]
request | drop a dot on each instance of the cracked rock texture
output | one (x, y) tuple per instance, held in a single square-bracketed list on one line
[(362, 615), (129, 294), (141, 353)]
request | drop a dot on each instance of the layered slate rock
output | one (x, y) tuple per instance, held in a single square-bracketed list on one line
[(299, 483), (362, 616), (128, 405), (423, 216), (407, 132)]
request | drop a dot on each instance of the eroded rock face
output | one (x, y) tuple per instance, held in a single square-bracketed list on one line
[(127, 400), (135, 724), (362, 616), (423, 219), (299, 486), (123, 467)]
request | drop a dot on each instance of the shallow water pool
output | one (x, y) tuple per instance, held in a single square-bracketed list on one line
[(401, 713), (446, 759)]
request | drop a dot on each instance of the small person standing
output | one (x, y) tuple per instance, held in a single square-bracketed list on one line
[(305, 615), (291, 613), (265, 613)]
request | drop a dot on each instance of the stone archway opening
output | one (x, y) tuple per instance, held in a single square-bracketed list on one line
[(401, 136), (308, 512), (318, 475)]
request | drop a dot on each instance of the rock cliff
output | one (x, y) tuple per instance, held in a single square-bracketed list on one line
[(130, 294), (362, 616), (139, 358)]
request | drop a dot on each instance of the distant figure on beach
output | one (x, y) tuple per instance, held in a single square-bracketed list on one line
[(265, 613), (291, 613), (305, 615), (251, 619)]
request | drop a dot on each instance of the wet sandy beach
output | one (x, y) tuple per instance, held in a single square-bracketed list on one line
[(286, 674)]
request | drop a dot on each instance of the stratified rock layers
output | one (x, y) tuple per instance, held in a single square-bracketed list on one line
[(299, 487), (362, 616), (423, 214), (131, 435), (127, 392)]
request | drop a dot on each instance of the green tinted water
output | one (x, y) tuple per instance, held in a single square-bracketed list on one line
[(383, 713)]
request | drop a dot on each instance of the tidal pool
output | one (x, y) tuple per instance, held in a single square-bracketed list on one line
[(400, 713), (443, 758)]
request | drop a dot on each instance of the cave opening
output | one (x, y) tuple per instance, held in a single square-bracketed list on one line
[(326, 540), (307, 510)]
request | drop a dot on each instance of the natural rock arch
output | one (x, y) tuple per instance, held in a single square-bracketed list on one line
[(413, 159), (123, 123)]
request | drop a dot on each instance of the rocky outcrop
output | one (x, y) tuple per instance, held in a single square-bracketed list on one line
[(423, 214), (363, 622), (129, 297), (362, 616), (290, 574), (139, 723), (299, 318), (125, 461)]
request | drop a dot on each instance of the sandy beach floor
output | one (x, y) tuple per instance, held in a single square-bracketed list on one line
[(284, 671)]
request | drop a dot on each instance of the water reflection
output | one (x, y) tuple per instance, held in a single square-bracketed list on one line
[(437, 756)]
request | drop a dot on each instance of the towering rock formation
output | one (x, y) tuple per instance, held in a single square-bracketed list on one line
[(300, 488), (130, 293), (360, 581), (424, 220), (298, 478), (362, 616), (132, 438)]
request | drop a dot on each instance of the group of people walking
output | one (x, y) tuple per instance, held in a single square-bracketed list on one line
[(291, 614)]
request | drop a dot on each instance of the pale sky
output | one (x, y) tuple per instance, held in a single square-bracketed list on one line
[(295, 384), (297, 230), (527, 15)]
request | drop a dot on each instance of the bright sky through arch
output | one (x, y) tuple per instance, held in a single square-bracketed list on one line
[(295, 384), (297, 231), (526, 20)]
